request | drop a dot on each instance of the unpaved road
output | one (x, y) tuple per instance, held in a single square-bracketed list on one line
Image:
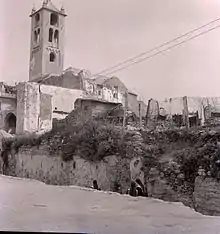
[(27, 205)]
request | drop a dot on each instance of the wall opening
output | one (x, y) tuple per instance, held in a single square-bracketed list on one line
[(37, 19), (193, 121), (56, 37), (54, 19), (52, 57), (10, 123), (37, 35), (50, 35), (178, 120), (115, 95)]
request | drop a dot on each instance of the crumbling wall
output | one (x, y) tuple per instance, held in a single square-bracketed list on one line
[(133, 103), (8, 105), (31, 106), (142, 109), (39, 165), (28, 107), (207, 196), (105, 93), (63, 99), (203, 106)]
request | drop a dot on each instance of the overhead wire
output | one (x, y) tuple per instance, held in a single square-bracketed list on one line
[(158, 47), (162, 51)]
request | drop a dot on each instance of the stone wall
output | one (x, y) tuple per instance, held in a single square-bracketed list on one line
[(194, 104), (37, 164), (207, 196), (7, 105), (36, 103), (133, 103)]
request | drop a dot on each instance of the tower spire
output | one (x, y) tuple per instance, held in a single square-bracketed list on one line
[(45, 2), (62, 9), (33, 9)]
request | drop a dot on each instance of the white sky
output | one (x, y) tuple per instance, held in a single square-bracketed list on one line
[(102, 33)]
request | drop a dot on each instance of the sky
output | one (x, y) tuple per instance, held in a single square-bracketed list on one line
[(101, 33)]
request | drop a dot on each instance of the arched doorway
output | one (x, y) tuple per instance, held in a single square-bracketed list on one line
[(10, 123)]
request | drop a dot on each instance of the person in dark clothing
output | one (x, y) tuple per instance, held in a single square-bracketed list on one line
[(140, 192), (143, 191), (132, 191), (95, 185)]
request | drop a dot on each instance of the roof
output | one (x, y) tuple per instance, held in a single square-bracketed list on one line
[(109, 81), (132, 92), (100, 80), (47, 4), (50, 6)]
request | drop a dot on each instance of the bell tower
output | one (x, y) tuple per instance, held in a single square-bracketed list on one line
[(47, 40)]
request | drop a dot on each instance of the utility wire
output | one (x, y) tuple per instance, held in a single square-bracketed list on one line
[(158, 47), (162, 51)]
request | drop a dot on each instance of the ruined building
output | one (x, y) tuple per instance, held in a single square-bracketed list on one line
[(51, 91), (185, 111)]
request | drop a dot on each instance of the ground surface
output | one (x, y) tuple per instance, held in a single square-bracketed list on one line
[(27, 205)]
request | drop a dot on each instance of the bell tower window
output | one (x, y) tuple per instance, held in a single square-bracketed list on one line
[(37, 35), (52, 57), (56, 38), (37, 19), (54, 19), (50, 35)]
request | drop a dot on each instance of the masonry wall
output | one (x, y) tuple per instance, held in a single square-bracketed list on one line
[(96, 108), (65, 80), (36, 103), (204, 106), (133, 103), (207, 196), (39, 165), (62, 99), (28, 107), (105, 93), (143, 109), (7, 105)]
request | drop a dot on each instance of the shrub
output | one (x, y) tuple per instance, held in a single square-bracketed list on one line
[(26, 140)]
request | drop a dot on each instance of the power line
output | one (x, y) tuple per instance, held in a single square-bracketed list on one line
[(162, 51), (157, 47)]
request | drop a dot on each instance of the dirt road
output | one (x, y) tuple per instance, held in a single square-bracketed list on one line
[(27, 205)]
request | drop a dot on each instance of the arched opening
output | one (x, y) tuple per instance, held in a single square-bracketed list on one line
[(52, 57), (54, 19), (10, 123), (37, 35), (37, 19), (50, 35), (56, 37)]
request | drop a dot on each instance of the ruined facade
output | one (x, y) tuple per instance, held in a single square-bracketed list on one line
[(8, 106), (51, 92), (186, 111)]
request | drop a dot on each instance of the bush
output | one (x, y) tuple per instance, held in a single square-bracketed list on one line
[(92, 141), (26, 140)]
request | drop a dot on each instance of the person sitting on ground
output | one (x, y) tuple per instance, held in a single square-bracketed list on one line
[(95, 185), (143, 191), (140, 192)]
